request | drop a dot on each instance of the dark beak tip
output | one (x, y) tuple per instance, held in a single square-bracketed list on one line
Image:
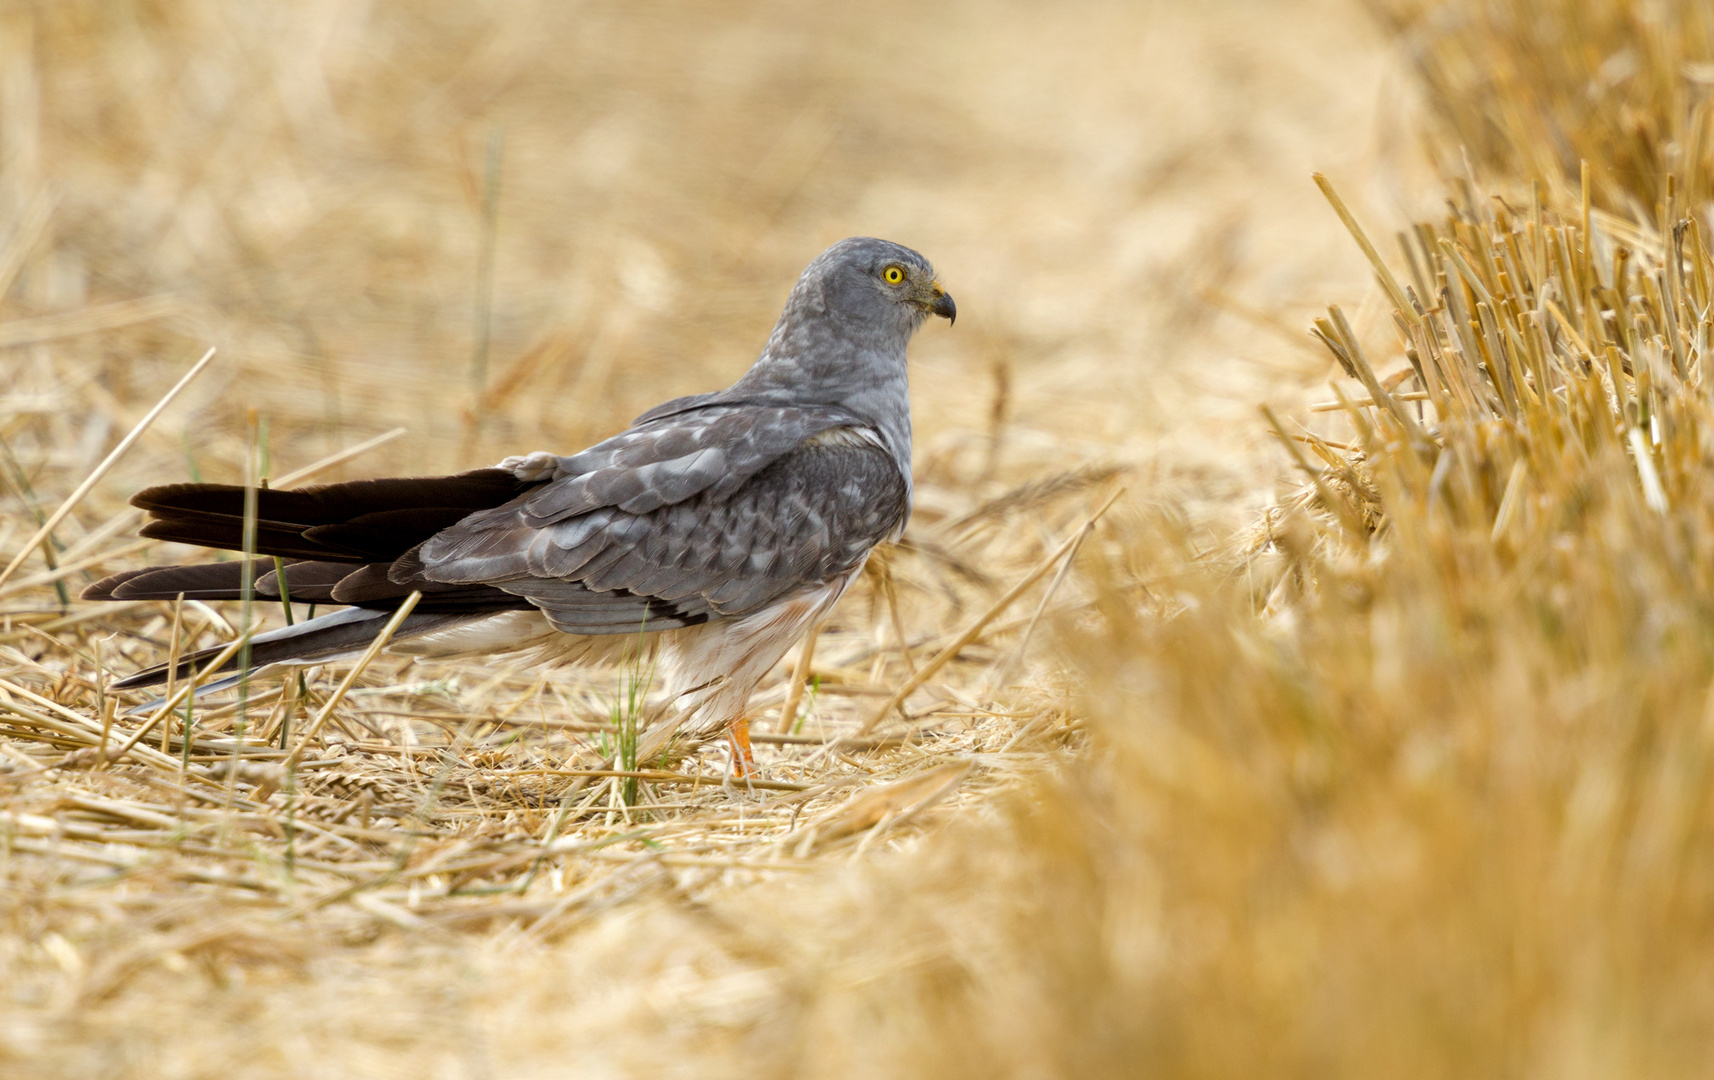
[(945, 308)]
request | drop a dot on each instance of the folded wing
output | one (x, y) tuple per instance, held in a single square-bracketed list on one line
[(700, 514), (675, 454), (808, 517)]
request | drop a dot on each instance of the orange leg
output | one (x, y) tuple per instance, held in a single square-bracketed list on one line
[(743, 761)]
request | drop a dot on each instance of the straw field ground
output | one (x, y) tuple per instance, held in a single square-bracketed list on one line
[(1263, 687)]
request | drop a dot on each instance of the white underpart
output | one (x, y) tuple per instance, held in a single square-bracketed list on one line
[(711, 669), (707, 672), (502, 632)]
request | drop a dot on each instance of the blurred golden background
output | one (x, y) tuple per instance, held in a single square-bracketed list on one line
[(590, 208), (1369, 741)]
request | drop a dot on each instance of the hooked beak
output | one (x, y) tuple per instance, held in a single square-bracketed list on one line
[(943, 306)]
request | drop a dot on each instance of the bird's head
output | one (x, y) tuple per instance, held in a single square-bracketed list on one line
[(878, 283), (846, 324)]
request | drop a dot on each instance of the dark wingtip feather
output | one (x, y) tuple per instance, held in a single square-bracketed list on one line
[(104, 589), (308, 582), (354, 521), (204, 581), (179, 496)]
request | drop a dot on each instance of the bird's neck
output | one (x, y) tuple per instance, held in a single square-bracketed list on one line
[(871, 384), (815, 356)]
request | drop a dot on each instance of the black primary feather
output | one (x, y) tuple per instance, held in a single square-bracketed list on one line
[(356, 521)]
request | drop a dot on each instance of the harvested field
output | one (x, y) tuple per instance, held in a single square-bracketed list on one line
[(1261, 686)]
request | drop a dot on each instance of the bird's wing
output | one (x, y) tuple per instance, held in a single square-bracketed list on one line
[(673, 457), (699, 447), (807, 516)]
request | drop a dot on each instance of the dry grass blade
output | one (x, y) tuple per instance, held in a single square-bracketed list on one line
[(658, 776), (21, 332), (1407, 797), (76, 566), (165, 709), (884, 802), (107, 463), (1033, 493), (25, 235), (1384, 273), (980, 623), (316, 468), (1368, 403), (307, 739), (799, 678)]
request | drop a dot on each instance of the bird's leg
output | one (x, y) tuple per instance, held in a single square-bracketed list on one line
[(738, 734)]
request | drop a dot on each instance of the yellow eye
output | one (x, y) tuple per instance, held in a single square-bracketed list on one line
[(893, 275)]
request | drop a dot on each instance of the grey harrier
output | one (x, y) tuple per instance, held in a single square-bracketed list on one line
[(719, 527)]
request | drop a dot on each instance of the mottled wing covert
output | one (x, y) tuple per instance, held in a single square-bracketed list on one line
[(808, 517), (667, 460)]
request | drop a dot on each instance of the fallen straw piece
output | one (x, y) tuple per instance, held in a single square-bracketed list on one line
[(298, 476), (101, 470), (183, 692), (369, 654), (67, 569), (799, 676), (942, 658), (90, 320), (662, 777)]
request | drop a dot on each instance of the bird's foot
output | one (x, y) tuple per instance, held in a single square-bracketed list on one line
[(743, 761)]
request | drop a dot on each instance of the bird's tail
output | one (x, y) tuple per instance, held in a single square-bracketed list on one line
[(337, 635)]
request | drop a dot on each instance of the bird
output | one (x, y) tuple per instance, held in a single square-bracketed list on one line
[(713, 532)]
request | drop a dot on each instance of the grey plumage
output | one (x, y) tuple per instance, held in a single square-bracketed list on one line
[(736, 517), (810, 516), (716, 505)]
